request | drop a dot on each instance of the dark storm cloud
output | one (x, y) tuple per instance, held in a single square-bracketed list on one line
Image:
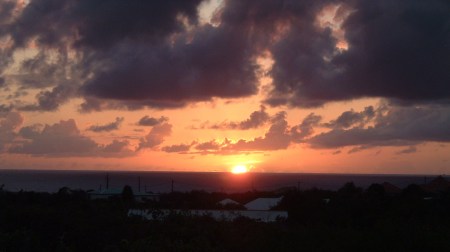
[(213, 64), (6, 10), (98, 24), (396, 49), (107, 127), (393, 126), (96, 31), (93, 104), (136, 54), (144, 55), (151, 121)]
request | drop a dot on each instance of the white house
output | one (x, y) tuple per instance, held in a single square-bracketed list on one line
[(262, 204)]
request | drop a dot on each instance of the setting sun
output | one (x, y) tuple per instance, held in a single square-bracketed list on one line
[(239, 169)]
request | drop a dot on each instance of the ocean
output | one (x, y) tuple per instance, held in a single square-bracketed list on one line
[(160, 182)]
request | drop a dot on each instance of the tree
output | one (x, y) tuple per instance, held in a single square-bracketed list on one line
[(127, 193)]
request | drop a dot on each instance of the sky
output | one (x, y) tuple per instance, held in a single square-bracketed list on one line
[(323, 86)]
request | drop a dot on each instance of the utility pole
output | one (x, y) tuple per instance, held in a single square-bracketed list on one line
[(107, 181), (139, 183)]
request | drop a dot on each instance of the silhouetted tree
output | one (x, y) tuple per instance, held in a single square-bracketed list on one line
[(376, 192), (349, 190), (127, 193), (413, 192)]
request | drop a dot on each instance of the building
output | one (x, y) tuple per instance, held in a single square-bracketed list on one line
[(263, 204)]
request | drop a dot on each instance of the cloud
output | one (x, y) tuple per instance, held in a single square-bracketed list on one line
[(151, 121), (360, 148), (157, 54), (116, 148), (351, 118), (31, 131), (256, 120), (153, 54), (305, 128), (380, 60), (156, 136), (181, 72), (59, 138), (178, 148), (211, 145), (393, 126), (6, 11), (385, 125), (409, 150), (51, 100), (276, 138), (279, 136), (9, 124), (64, 139), (5, 108), (107, 127), (54, 22), (43, 70)]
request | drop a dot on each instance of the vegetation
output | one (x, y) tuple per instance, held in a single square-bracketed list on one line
[(350, 219)]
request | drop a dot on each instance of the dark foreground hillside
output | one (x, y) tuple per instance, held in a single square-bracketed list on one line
[(347, 220)]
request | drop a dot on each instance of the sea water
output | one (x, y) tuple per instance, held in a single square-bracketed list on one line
[(159, 182)]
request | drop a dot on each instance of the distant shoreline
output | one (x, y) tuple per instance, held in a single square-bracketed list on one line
[(159, 181), (225, 172)]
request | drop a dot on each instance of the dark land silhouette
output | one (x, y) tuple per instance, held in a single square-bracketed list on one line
[(379, 218)]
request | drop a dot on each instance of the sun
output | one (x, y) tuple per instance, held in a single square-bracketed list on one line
[(239, 169)]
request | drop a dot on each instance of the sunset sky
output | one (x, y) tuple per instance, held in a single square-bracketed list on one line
[(189, 85)]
